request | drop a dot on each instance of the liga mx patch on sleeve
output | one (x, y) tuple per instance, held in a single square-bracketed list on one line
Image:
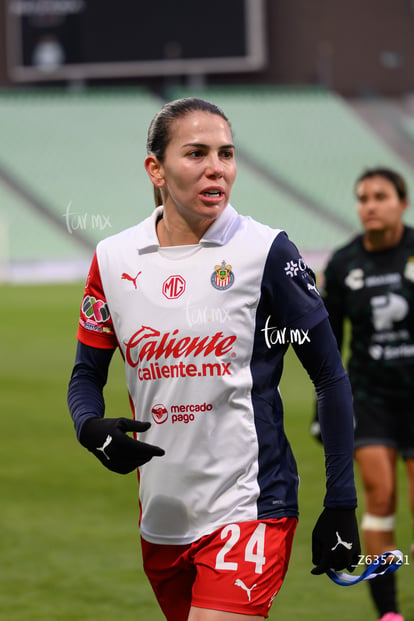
[(94, 314)]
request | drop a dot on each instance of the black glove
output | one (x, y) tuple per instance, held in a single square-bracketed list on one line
[(106, 438), (335, 541)]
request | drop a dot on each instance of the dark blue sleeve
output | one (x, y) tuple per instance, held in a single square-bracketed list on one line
[(89, 376), (289, 285), (321, 359)]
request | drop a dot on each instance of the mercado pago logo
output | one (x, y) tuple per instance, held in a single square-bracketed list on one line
[(180, 413), (158, 355)]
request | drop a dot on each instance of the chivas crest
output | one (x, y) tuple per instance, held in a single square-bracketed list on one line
[(222, 277)]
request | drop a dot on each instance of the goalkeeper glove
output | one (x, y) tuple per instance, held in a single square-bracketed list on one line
[(335, 541), (107, 439)]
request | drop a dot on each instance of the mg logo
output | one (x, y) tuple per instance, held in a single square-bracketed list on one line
[(173, 287)]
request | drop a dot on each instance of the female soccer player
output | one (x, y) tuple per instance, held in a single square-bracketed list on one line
[(370, 281), (202, 302)]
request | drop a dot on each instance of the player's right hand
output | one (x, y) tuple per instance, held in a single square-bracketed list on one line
[(107, 439)]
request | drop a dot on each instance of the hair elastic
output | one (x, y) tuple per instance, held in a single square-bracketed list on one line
[(370, 571)]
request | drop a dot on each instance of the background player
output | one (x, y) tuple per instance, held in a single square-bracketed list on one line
[(197, 297), (370, 281)]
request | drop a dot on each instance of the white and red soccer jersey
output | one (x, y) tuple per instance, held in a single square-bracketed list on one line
[(203, 330)]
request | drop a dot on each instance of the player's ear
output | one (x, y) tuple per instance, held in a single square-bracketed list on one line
[(404, 204), (155, 171)]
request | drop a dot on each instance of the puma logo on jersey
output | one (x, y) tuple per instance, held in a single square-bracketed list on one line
[(126, 276), (340, 542), (272, 599), (312, 288), (241, 584), (104, 445)]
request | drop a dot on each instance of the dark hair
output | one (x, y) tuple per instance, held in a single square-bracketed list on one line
[(393, 177), (159, 129)]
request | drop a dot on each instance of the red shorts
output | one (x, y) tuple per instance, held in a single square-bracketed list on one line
[(238, 568)]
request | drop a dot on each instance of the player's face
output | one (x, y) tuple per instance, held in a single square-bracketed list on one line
[(199, 167), (379, 206)]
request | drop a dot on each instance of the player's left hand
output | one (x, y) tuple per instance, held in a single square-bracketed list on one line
[(335, 541)]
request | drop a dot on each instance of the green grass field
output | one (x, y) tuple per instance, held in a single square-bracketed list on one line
[(69, 544)]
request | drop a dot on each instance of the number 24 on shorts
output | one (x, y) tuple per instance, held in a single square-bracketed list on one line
[(253, 552)]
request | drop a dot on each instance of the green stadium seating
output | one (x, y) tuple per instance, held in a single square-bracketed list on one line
[(310, 141), (79, 155)]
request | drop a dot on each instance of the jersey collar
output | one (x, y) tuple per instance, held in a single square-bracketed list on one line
[(218, 234)]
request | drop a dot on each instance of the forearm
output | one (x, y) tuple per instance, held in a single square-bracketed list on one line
[(85, 392), (337, 431), (321, 359)]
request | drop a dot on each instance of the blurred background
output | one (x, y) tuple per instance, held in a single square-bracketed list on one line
[(316, 91)]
